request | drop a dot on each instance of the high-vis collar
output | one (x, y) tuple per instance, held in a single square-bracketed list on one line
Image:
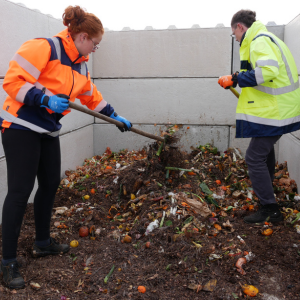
[(70, 47)]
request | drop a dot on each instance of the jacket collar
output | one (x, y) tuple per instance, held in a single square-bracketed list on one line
[(70, 47), (243, 36), (250, 34)]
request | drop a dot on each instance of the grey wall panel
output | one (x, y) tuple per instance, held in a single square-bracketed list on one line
[(164, 53), (184, 100), (19, 24), (110, 136), (74, 120), (289, 147), (292, 39), (76, 146)]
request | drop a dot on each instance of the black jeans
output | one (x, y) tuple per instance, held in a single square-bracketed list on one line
[(28, 155), (260, 158)]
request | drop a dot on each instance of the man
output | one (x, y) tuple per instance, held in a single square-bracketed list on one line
[(268, 107)]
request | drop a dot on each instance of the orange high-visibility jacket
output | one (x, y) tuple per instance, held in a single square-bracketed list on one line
[(47, 66)]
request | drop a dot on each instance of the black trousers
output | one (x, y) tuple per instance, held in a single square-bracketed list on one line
[(28, 155), (260, 158)]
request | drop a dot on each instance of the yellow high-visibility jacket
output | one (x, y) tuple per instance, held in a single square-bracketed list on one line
[(271, 105)]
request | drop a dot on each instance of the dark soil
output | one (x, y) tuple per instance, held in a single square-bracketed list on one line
[(173, 267)]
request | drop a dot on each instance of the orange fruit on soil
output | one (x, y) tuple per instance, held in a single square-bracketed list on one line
[(267, 231), (127, 239), (141, 289), (250, 290), (83, 231)]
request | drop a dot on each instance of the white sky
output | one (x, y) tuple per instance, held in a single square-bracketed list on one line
[(137, 14)]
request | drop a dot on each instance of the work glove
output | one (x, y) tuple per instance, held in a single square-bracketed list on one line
[(127, 124), (229, 80), (58, 103)]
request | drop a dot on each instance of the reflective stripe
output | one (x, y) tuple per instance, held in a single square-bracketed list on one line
[(57, 47), (41, 87), (10, 118), (100, 106), (88, 93), (278, 91), (46, 92), (27, 66), (23, 91), (270, 122), (288, 70), (83, 68), (258, 75), (283, 90), (267, 62)]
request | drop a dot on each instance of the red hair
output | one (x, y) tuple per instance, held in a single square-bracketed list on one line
[(78, 20)]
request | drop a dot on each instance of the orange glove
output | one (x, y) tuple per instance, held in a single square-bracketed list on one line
[(226, 81)]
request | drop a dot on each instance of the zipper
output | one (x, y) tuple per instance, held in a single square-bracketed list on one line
[(73, 63), (72, 83)]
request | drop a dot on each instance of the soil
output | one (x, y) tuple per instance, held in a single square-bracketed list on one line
[(188, 258)]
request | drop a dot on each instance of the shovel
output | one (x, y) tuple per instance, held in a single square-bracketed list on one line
[(235, 92), (112, 121)]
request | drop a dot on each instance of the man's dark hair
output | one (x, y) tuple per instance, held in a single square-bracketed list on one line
[(244, 16)]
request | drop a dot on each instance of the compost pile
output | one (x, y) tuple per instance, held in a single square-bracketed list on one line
[(164, 224)]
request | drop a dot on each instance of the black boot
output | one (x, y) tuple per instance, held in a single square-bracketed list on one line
[(53, 249), (268, 212), (11, 276)]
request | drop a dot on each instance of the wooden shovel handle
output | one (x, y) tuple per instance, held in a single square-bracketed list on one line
[(235, 92), (112, 121)]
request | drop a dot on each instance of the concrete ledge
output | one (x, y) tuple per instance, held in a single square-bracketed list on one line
[(292, 39), (289, 147), (2, 99), (110, 136), (3, 184), (164, 53), (296, 134), (192, 101), (75, 120), (75, 147), (242, 144)]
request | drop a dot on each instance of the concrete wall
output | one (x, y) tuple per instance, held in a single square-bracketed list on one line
[(289, 149), (167, 77)]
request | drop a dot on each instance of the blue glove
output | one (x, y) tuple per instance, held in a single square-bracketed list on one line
[(127, 124), (58, 103)]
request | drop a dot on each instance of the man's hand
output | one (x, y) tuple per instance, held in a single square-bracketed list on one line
[(229, 80)]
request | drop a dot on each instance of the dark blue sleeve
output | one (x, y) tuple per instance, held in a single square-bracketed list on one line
[(33, 97), (107, 110), (247, 79)]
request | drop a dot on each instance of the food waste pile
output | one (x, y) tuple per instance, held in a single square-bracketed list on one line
[(159, 223)]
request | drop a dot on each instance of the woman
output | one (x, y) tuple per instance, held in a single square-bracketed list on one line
[(43, 76)]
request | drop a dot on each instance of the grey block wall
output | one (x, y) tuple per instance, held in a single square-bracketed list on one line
[(190, 136), (167, 77), (289, 144), (172, 53)]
